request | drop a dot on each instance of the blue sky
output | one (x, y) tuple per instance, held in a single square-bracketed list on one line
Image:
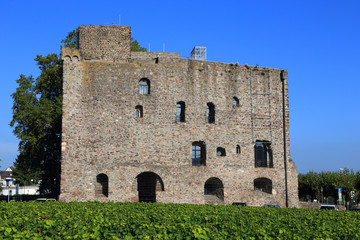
[(318, 42)]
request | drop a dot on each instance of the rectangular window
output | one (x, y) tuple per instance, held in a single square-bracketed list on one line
[(180, 112), (263, 154), (210, 113), (198, 154)]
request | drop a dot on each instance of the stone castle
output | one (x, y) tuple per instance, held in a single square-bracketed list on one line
[(154, 127)]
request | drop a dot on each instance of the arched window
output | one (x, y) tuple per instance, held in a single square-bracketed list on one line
[(180, 112), (214, 186), (220, 151), (238, 149), (263, 154), (102, 185), (235, 101), (263, 184), (210, 112), (139, 111), (198, 154), (144, 86)]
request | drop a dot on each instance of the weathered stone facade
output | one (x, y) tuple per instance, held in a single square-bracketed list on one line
[(150, 155)]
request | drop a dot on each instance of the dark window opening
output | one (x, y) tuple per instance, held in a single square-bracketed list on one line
[(139, 111), (238, 149), (263, 184), (180, 112), (214, 186), (144, 86), (210, 112), (102, 185), (263, 154), (148, 184), (198, 154), (235, 101), (220, 151)]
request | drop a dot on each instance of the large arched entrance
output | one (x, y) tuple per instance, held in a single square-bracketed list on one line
[(215, 188), (148, 183)]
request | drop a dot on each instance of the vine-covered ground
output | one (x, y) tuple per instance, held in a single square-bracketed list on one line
[(95, 220)]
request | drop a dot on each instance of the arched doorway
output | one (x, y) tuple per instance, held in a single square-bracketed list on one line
[(214, 186), (148, 183)]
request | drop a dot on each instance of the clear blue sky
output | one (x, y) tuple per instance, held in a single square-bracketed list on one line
[(317, 41)]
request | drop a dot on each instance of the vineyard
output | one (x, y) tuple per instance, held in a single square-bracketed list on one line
[(95, 220)]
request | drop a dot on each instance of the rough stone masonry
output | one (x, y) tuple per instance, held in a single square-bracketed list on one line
[(154, 127)]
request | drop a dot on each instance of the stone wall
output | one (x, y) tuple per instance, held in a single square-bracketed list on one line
[(147, 55), (101, 133)]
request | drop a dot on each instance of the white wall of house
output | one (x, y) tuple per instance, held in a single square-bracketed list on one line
[(3, 183), (23, 190)]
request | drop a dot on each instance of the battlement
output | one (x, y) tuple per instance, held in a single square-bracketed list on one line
[(105, 42), (150, 55)]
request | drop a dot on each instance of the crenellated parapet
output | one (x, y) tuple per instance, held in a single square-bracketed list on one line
[(70, 54)]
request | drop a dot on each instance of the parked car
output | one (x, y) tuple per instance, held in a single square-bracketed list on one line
[(355, 209), (239, 204), (328, 207), (45, 200), (271, 205)]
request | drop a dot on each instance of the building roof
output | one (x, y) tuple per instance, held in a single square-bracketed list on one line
[(7, 173)]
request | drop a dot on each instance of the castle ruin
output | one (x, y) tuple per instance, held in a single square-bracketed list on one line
[(154, 127)]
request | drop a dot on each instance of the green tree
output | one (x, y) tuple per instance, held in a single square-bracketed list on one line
[(346, 180), (135, 46), (36, 120), (309, 185), (37, 115), (72, 40), (326, 184)]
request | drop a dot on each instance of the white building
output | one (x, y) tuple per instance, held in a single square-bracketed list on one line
[(21, 190), (7, 182)]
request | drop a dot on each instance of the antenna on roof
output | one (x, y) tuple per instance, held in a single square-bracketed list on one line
[(149, 47), (163, 47), (119, 19)]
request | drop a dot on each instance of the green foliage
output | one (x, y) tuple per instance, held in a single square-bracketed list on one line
[(72, 39), (95, 220), (37, 110), (135, 46), (326, 184)]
